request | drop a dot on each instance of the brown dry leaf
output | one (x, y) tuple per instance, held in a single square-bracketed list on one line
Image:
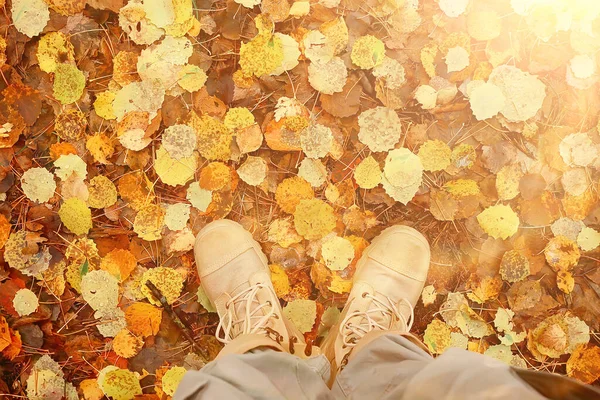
[(514, 266)]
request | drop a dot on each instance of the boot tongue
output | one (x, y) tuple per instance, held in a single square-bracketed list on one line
[(378, 313), (247, 308)]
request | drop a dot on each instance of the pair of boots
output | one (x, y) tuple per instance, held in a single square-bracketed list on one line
[(235, 275)]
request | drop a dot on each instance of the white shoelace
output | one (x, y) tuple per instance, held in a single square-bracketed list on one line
[(352, 331), (255, 318)]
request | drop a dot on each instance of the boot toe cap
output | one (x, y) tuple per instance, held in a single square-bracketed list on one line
[(404, 250), (218, 243)]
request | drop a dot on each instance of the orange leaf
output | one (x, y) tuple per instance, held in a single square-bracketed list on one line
[(143, 319)]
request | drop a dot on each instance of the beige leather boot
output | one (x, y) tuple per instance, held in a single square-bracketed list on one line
[(388, 282), (235, 275)]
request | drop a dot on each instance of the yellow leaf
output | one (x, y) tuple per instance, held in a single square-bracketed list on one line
[(291, 191), (102, 192), (167, 280), (514, 266), (38, 184), (103, 105), (76, 216), (302, 313), (54, 48), (314, 219), (499, 221), (367, 174), (69, 83), (119, 384), (367, 52), (174, 172), (337, 253), (280, 279), (437, 336), (119, 263), (588, 239), (100, 147), (171, 379), (435, 155), (25, 302)]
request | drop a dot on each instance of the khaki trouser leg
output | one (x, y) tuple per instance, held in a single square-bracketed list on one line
[(392, 366), (383, 365), (264, 371)]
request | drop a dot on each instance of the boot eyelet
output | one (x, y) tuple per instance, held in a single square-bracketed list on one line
[(276, 316), (364, 294), (269, 303)]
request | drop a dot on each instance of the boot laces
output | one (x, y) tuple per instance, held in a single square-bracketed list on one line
[(255, 315), (358, 323)]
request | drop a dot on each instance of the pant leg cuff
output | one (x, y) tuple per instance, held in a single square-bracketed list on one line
[(244, 343), (371, 336)]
